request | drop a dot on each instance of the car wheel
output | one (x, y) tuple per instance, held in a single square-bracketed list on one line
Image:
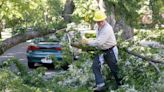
[(31, 64)]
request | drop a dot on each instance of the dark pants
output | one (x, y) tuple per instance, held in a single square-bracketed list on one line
[(110, 59)]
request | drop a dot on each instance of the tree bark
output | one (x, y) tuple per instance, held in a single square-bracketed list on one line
[(1, 28), (10, 42), (68, 10), (0, 33), (111, 19), (128, 31)]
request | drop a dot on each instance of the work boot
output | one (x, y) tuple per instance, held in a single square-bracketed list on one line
[(99, 87)]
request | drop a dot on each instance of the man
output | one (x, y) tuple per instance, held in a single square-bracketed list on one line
[(106, 41)]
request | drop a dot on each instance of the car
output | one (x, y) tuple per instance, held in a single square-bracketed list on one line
[(42, 49)]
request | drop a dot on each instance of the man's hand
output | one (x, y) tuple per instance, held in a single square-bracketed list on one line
[(84, 41)]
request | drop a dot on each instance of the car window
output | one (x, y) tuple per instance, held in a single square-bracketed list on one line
[(49, 38)]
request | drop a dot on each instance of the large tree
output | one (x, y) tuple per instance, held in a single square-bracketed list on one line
[(40, 16), (10, 42)]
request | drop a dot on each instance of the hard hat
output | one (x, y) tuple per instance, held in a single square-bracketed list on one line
[(99, 16)]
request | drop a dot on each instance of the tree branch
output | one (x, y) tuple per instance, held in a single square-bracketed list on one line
[(140, 56), (10, 42), (155, 66), (152, 44)]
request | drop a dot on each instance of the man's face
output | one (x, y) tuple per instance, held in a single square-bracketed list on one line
[(100, 23)]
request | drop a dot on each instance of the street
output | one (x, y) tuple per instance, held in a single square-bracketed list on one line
[(19, 51)]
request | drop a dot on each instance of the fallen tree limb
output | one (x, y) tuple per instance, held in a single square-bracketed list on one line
[(132, 53), (151, 61), (152, 44), (144, 58), (10, 42), (155, 66)]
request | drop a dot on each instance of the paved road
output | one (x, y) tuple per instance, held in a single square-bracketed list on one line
[(19, 51)]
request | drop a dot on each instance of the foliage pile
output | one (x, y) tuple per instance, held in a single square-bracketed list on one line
[(138, 75), (145, 35)]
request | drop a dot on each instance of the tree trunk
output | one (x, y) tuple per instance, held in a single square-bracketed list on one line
[(68, 10), (10, 42), (0, 34), (111, 19), (1, 28), (128, 31)]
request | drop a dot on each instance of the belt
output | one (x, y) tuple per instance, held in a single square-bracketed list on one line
[(108, 49)]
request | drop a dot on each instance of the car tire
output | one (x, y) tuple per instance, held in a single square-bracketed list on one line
[(31, 64)]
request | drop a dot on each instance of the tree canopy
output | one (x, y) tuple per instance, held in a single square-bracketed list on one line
[(30, 13)]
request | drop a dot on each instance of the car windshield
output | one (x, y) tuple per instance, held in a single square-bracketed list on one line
[(49, 38)]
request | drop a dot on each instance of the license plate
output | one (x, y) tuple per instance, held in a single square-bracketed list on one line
[(46, 60)]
